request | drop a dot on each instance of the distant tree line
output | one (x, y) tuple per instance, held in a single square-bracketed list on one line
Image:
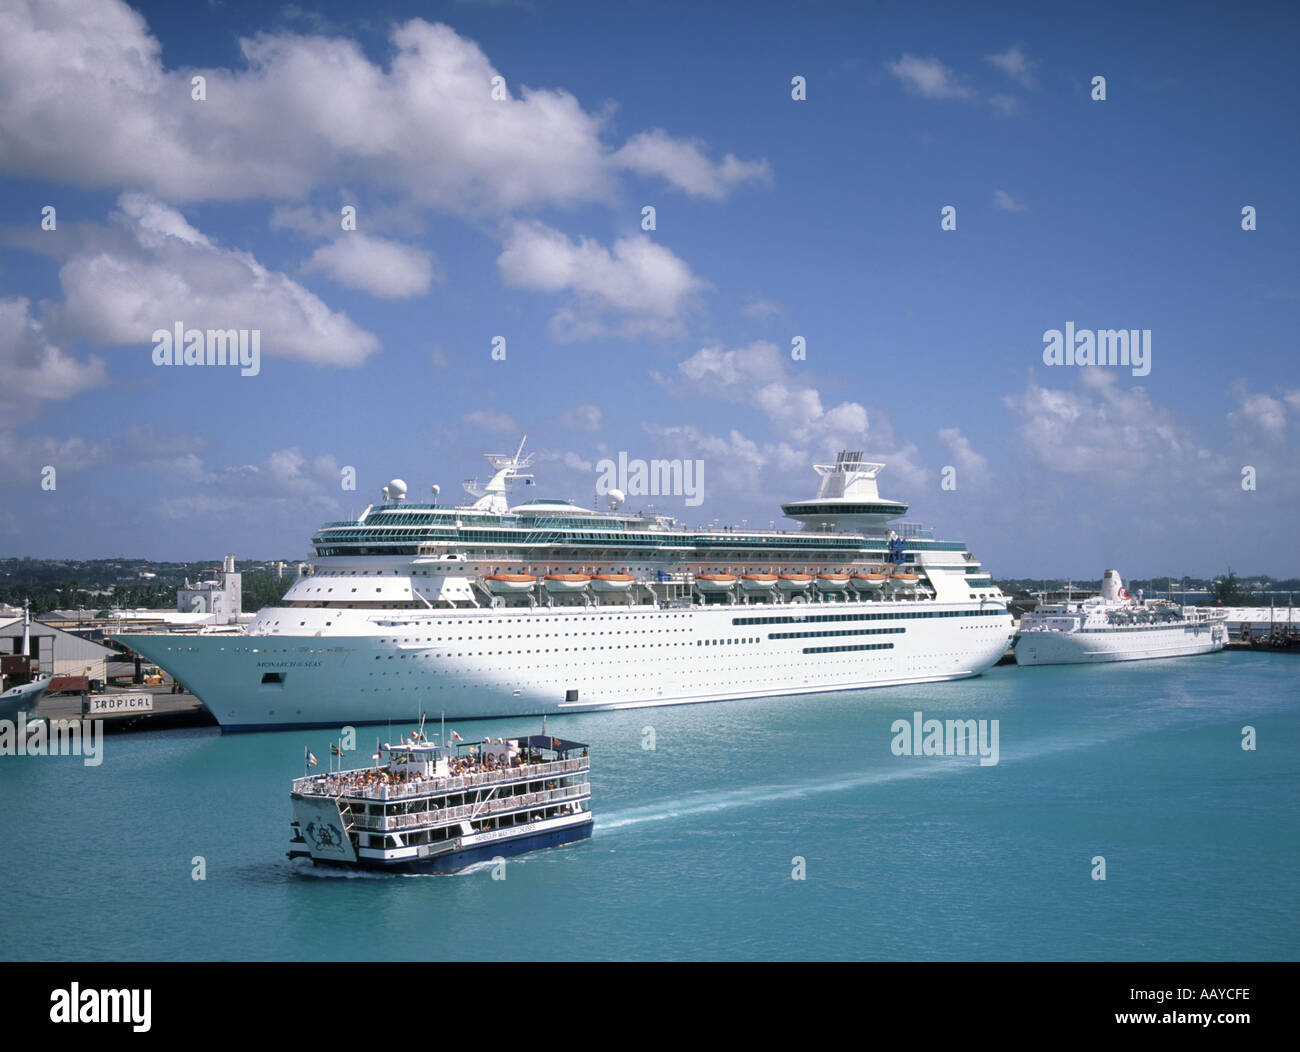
[(1228, 589), (65, 584)]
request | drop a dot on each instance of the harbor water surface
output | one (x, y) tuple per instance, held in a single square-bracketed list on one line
[(698, 839)]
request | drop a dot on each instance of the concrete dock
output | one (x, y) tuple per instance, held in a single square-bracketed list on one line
[(165, 710)]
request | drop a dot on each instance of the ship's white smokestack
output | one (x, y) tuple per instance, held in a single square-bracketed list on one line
[(1112, 585)]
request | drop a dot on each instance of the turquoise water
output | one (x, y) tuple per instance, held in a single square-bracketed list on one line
[(905, 857)]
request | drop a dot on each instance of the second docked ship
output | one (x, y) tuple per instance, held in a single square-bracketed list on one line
[(1113, 626)]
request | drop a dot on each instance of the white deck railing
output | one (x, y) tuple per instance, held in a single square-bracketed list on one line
[(335, 785), (438, 817)]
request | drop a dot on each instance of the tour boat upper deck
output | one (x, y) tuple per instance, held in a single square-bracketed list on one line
[(418, 768)]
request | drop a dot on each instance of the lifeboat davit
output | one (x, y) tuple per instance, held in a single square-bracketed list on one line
[(758, 582), (868, 582), (509, 583), (611, 582), (793, 582), (715, 582), (832, 582), (566, 582)]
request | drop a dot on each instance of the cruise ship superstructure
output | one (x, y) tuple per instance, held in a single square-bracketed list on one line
[(1114, 626), (489, 609)]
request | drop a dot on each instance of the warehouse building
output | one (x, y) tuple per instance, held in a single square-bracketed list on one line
[(57, 652)]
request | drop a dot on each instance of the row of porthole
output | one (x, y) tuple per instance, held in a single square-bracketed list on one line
[(566, 650), (497, 653), (819, 673), (535, 635), (806, 650)]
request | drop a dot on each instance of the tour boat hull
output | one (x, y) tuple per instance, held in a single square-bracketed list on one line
[(455, 861)]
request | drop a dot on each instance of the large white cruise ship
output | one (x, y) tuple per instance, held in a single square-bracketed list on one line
[(546, 607), (1113, 626)]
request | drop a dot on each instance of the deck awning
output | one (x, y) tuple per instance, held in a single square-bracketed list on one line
[(547, 741)]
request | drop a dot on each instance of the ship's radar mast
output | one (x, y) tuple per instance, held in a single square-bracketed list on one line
[(491, 496)]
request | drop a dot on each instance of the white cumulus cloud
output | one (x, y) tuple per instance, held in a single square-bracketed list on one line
[(928, 77), (89, 100), (684, 165), (154, 270), (375, 265), (35, 370), (637, 279), (1015, 64)]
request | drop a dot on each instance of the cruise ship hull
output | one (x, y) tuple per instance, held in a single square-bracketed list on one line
[(1120, 644), (528, 662)]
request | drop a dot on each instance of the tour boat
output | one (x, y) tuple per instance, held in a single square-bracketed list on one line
[(437, 809)]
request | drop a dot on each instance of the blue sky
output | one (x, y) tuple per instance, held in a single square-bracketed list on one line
[(775, 218)]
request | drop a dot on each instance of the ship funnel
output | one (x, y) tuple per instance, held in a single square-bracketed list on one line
[(1112, 585)]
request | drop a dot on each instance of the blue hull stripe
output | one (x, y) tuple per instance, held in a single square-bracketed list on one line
[(481, 853)]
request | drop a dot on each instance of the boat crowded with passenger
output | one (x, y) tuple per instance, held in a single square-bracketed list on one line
[(434, 808)]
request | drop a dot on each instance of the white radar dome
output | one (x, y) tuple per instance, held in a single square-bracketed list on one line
[(397, 489), (615, 499), (436, 489)]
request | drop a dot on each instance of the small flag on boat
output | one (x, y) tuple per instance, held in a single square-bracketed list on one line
[(311, 760), (335, 751), (456, 737)]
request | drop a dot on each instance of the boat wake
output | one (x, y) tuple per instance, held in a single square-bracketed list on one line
[(725, 800), (707, 802)]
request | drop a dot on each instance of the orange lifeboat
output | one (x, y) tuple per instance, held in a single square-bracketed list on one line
[(566, 582), (758, 582), (509, 583), (832, 582), (611, 582), (793, 582), (904, 582), (868, 582), (715, 582)]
